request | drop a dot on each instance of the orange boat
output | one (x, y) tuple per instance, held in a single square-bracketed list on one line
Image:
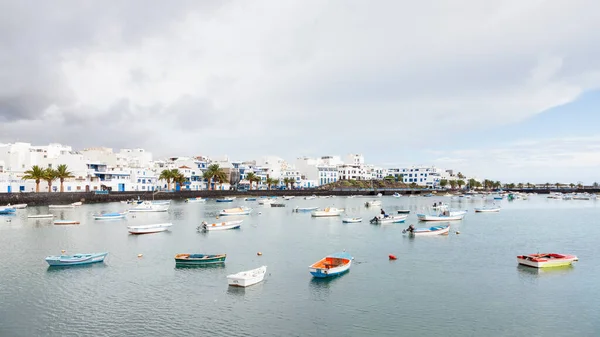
[(331, 265), (546, 260)]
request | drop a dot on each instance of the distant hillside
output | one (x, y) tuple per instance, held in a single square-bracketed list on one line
[(362, 184)]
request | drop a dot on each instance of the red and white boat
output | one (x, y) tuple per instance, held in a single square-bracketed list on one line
[(546, 260)]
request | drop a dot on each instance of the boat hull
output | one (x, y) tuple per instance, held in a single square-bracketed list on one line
[(390, 219), (75, 260), (66, 222), (236, 211), (198, 259), (41, 216), (425, 217), (149, 229), (431, 231), (541, 260), (331, 266), (352, 220), (220, 226), (487, 210), (247, 278)]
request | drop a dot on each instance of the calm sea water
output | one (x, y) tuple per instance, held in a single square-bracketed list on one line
[(465, 284)]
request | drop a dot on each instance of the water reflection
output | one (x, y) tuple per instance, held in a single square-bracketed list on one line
[(211, 266), (538, 272), (67, 269)]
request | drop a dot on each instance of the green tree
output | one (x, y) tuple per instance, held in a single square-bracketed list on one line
[(579, 185), (168, 176), (595, 184), (390, 178), (460, 183), (62, 173), (288, 181), (472, 183), (453, 184), (49, 177), (252, 177), (443, 183), (270, 182), (178, 178), (557, 185), (413, 185), (214, 173), (571, 185), (460, 175), (35, 173)]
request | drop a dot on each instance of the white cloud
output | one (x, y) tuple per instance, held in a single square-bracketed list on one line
[(246, 78)]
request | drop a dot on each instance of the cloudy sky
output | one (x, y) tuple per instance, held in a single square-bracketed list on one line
[(502, 89)]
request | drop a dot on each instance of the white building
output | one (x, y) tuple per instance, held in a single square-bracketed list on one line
[(427, 176)]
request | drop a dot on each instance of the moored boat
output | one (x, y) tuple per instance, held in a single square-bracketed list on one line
[(75, 259), (78, 203), (331, 265), (382, 219), (546, 260), (247, 278), (310, 197), (61, 206), (289, 197), (148, 229), (66, 222), (110, 216), (352, 220), (403, 211), (487, 209), (148, 206), (446, 216), (427, 231), (266, 201), (7, 211), (372, 203), (197, 199), (227, 199), (198, 259), (219, 226), (15, 206), (236, 211), (305, 209), (396, 195), (329, 211), (40, 216), (250, 199)]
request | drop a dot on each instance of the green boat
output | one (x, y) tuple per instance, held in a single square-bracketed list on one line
[(198, 259)]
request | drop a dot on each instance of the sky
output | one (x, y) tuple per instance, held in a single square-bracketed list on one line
[(506, 90)]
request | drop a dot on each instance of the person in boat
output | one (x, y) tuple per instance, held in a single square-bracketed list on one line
[(434, 205), (410, 229), (383, 213)]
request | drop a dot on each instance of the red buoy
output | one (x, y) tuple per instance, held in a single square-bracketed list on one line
[(392, 257)]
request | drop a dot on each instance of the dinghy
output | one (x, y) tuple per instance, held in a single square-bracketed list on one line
[(110, 216), (236, 211), (403, 211), (310, 197), (219, 226), (66, 222), (446, 216), (351, 220), (78, 203), (197, 199), (15, 206), (7, 211), (266, 201), (289, 197), (148, 229), (427, 231), (546, 260), (228, 199), (250, 199), (305, 209), (329, 211), (381, 219), (40, 216), (198, 259), (148, 206), (247, 278), (372, 203), (331, 265), (487, 209), (76, 259)]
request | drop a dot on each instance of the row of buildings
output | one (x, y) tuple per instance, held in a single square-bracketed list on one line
[(135, 170)]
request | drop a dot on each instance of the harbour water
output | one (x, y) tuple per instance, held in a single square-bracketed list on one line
[(465, 284)]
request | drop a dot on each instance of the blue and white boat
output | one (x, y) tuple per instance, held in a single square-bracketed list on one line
[(331, 265), (236, 211), (76, 259), (305, 209), (7, 211), (250, 199), (396, 195), (110, 216), (228, 199), (161, 202), (427, 231)]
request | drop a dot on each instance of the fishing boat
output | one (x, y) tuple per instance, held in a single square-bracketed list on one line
[(75, 259), (250, 199), (266, 201), (15, 206), (329, 211), (331, 265), (289, 197), (198, 259), (487, 209), (372, 203), (305, 209), (247, 278), (40, 216), (236, 211), (227, 199), (403, 211), (61, 206), (219, 226), (78, 203), (352, 220), (427, 231), (546, 260), (148, 206), (110, 216), (66, 222), (197, 199), (148, 229), (445, 216), (381, 219), (7, 211), (310, 197)]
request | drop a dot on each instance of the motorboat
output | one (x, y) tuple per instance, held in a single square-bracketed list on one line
[(546, 260), (331, 265), (148, 206), (40, 216), (373, 203), (227, 199), (329, 211), (305, 209), (75, 259), (110, 216), (219, 226), (487, 209), (427, 231), (352, 220), (148, 229), (198, 259), (66, 222), (236, 211), (247, 278), (195, 200), (383, 219)]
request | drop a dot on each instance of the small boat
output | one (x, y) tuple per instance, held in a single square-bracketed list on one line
[(329, 211), (110, 216), (40, 216), (403, 211), (250, 199), (546, 260), (7, 211), (440, 206), (331, 265), (305, 209), (247, 278), (148, 229), (61, 206), (228, 199), (381, 219), (266, 201), (289, 197), (351, 220), (161, 202), (78, 203), (372, 203), (148, 206), (198, 259), (75, 259), (219, 226), (447, 195), (197, 199), (15, 206), (450, 216), (310, 197), (236, 211), (427, 231), (396, 195), (487, 209), (351, 196), (277, 205), (66, 222)]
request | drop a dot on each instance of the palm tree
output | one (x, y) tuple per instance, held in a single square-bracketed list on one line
[(211, 173), (168, 176), (453, 184), (472, 183), (49, 176), (276, 182), (571, 185), (252, 177), (595, 184), (443, 183), (460, 175), (460, 183), (528, 185), (35, 173), (497, 184), (557, 185), (62, 173), (270, 181), (287, 181), (221, 177), (520, 185), (547, 185), (178, 178), (580, 185)]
